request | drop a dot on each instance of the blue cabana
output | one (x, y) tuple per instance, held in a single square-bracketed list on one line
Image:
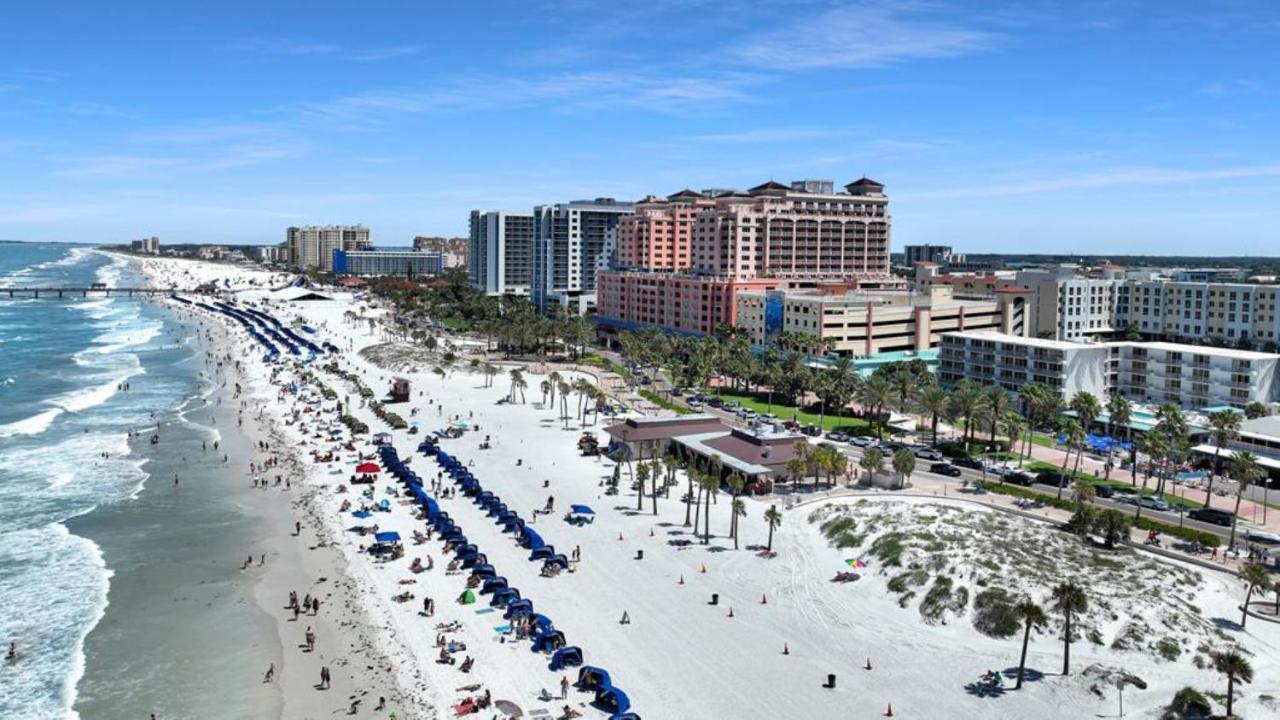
[(591, 677), (512, 524), (455, 536), (542, 553), (467, 551), (582, 510), (560, 560), (387, 537), (362, 514), (531, 539), (568, 656), (497, 509), (483, 570), (549, 641), (543, 622), (493, 584), (474, 560), (504, 596), (612, 700), (519, 608)]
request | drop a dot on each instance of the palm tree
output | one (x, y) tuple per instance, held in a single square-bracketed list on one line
[(735, 482), (1236, 667), (1033, 616), (564, 389), (1119, 413), (711, 486), (1225, 426), (489, 372), (1075, 439), (1015, 425), (804, 453), (965, 404), (837, 464), (671, 464), (546, 387), (996, 404), (877, 394), (556, 383), (1245, 470), (904, 463), (518, 384), (642, 477), (1070, 600), (873, 462), (689, 473), (1255, 410), (774, 519), (1087, 408), (1257, 578), (932, 402)]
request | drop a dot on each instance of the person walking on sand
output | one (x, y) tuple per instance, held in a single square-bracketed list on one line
[(271, 674), (324, 677), (564, 687)]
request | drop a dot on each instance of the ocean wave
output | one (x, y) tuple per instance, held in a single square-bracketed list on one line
[(120, 339), (55, 588), (85, 398), (33, 425)]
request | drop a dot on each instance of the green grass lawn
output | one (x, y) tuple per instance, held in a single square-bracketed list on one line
[(1043, 440), (654, 398), (852, 425), (1040, 466)]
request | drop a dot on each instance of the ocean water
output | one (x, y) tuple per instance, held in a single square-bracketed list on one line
[(94, 550)]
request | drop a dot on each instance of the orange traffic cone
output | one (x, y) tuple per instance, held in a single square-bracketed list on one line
[(868, 665), (786, 650), (889, 712)]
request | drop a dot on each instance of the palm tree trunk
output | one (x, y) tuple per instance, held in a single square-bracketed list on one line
[(1231, 692), (1022, 662), (1208, 491), (689, 501), (1234, 518), (1066, 645), (1244, 612), (697, 511)]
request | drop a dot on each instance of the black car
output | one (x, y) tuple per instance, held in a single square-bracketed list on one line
[(968, 462), (811, 430), (947, 469), (1212, 515), (716, 402), (1018, 477), (1051, 477), (1103, 491)]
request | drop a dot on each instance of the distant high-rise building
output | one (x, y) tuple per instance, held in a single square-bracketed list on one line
[(500, 252), (453, 251), (659, 236), (571, 242), (146, 246), (940, 254), (311, 247)]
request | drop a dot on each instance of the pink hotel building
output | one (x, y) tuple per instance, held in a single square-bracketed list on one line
[(683, 259)]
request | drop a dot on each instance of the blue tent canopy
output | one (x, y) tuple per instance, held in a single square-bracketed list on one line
[(591, 676), (582, 510), (531, 539), (362, 514), (567, 656), (387, 537), (544, 623), (611, 699)]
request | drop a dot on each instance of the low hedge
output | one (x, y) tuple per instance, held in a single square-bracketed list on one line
[(654, 398), (1145, 523)]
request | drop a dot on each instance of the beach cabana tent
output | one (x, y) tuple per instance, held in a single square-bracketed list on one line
[(560, 560), (543, 622), (519, 608), (531, 539), (542, 553), (362, 514), (389, 537), (504, 596), (467, 551), (568, 656), (484, 570), (474, 560), (612, 700), (549, 641), (467, 597), (493, 584), (582, 510), (591, 677)]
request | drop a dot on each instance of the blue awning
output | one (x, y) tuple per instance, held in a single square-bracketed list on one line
[(362, 514), (582, 510), (387, 537), (533, 539)]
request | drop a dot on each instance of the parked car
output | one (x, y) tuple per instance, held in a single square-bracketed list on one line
[(716, 402), (769, 417), (890, 448), (1051, 477), (747, 413), (863, 441), (1212, 515), (1262, 538), (1018, 477), (694, 404), (1103, 490), (926, 453), (732, 405), (838, 436), (1154, 502), (947, 469), (968, 462), (811, 430)]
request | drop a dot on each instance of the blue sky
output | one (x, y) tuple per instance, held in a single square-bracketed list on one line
[(1090, 127)]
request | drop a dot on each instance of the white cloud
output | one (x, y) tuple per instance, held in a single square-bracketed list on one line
[(264, 46), (863, 35), (1111, 177)]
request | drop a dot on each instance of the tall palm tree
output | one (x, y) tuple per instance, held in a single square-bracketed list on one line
[(518, 384), (1075, 440), (642, 477), (711, 486), (490, 371), (671, 464), (995, 405), (932, 402), (904, 463), (1256, 577), (966, 404), (1032, 615), (1014, 425), (774, 519), (1119, 413), (564, 389), (1236, 667), (735, 482), (1070, 600), (691, 474), (1245, 470), (556, 381), (877, 394), (546, 388), (872, 461), (1225, 427)]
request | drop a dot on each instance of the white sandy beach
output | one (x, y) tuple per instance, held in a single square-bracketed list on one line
[(679, 657)]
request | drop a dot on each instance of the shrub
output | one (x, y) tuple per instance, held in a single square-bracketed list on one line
[(1169, 648), (1188, 704), (888, 549), (994, 614)]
